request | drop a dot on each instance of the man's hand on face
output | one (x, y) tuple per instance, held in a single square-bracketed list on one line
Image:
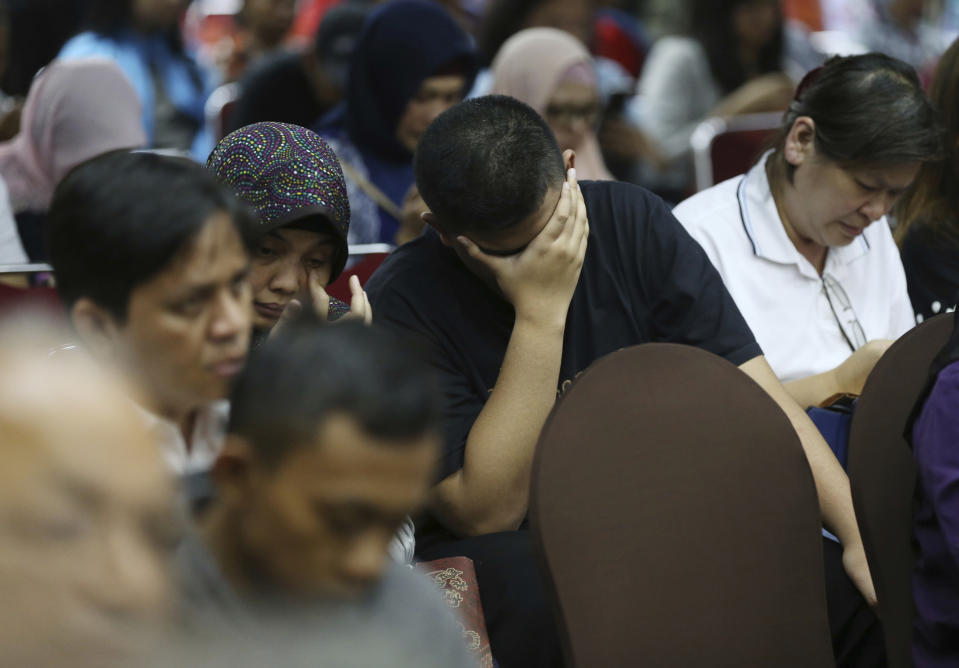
[(539, 281), (360, 308)]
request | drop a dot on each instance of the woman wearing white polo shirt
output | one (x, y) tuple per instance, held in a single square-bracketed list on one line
[(823, 288)]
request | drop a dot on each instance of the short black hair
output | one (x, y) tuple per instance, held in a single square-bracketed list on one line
[(118, 220), (486, 164), (869, 110), (310, 371)]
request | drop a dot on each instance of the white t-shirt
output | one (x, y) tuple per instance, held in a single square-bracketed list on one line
[(780, 293)]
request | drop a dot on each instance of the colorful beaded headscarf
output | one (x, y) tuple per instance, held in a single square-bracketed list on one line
[(290, 176)]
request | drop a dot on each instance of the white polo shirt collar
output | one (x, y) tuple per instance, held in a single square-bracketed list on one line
[(763, 227)]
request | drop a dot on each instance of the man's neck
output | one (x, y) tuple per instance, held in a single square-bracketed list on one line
[(220, 530)]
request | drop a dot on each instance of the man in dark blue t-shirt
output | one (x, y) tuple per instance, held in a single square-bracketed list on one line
[(524, 279)]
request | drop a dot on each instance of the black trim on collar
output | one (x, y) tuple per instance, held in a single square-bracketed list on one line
[(742, 216)]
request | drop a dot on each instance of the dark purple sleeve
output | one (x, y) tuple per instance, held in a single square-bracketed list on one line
[(935, 439)]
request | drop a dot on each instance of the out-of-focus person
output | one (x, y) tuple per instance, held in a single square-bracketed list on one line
[(332, 443), (553, 73), (87, 517), (143, 37), (505, 18), (264, 24), (903, 29), (75, 111), (731, 62), (298, 87), (801, 240), (927, 216), (154, 273), (411, 62)]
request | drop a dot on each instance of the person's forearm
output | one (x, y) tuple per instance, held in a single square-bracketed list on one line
[(491, 492), (832, 485), (849, 377), (813, 390)]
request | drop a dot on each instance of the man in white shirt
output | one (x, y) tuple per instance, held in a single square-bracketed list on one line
[(152, 268)]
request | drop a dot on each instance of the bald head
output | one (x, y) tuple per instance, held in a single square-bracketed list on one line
[(85, 506)]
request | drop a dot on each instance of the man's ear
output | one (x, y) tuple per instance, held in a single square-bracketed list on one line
[(233, 469), (98, 328), (569, 158), (800, 141), (430, 220)]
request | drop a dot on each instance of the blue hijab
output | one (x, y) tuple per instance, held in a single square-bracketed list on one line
[(402, 44)]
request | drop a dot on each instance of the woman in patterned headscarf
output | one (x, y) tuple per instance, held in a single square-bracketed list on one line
[(293, 180)]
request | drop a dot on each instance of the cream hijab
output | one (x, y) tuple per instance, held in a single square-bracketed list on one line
[(74, 111), (530, 65)]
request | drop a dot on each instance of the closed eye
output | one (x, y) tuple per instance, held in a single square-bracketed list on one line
[(266, 251)]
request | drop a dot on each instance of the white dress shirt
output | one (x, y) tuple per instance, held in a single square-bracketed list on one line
[(804, 323), (206, 440)]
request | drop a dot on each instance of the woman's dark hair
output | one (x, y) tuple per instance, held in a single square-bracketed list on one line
[(118, 220), (868, 110), (712, 26), (503, 19), (933, 199), (36, 31)]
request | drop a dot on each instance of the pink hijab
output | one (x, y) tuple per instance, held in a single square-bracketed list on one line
[(531, 64), (74, 111)]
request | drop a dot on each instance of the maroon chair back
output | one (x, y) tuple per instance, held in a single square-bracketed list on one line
[(727, 147), (34, 299), (734, 152), (676, 518), (882, 474), (366, 260)]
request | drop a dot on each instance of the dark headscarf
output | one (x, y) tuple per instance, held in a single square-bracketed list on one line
[(402, 44), (946, 356)]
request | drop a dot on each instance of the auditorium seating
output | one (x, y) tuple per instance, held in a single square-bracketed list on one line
[(677, 520), (364, 259), (882, 474), (727, 147)]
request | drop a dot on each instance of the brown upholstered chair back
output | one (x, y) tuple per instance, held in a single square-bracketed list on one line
[(882, 474), (676, 518)]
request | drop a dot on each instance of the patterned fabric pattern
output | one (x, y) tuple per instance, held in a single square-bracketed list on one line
[(337, 310), (455, 577), (283, 170)]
